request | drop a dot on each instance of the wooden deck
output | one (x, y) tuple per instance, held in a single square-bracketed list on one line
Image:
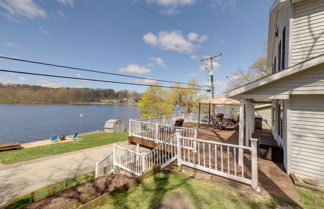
[(272, 177)]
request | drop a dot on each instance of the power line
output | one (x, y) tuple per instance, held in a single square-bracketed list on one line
[(96, 80), (88, 70)]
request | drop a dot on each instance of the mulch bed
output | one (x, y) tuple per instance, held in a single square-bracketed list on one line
[(78, 195)]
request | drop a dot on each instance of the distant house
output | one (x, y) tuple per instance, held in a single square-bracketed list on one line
[(295, 89)]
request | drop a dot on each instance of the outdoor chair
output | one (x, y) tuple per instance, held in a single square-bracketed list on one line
[(74, 136), (179, 123), (218, 121), (54, 138)]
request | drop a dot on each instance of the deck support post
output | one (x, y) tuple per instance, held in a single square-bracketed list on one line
[(241, 131), (137, 147), (143, 162), (178, 137), (254, 163), (97, 170)]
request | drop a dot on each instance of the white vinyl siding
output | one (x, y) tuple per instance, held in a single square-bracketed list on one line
[(307, 31), (306, 136), (308, 82)]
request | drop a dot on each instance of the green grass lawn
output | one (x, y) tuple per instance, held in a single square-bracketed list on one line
[(311, 199), (170, 190), (84, 142)]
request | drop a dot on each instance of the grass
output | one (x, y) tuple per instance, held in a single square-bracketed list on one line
[(311, 199), (44, 192), (84, 142), (172, 190)]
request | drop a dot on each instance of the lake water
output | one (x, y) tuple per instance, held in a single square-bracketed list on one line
[(31, 122)]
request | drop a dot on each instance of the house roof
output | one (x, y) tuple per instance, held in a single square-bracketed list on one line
[(305, 65)]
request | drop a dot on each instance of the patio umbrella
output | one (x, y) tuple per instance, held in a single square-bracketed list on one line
[(219, 100)]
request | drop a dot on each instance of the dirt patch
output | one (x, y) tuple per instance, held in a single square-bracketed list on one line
[(176, 201), (81, 194)]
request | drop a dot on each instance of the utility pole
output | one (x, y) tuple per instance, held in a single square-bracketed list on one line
[(211, 71)]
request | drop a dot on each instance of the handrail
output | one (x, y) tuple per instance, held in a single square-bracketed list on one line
[(218, 143)]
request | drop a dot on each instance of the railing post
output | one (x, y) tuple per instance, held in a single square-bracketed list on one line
[(129, 127), (195, 142), (254, 163), (143, 162), (163, 119), (156, 132), (114, 157), (97, 170), (178, 137), (190, 117)]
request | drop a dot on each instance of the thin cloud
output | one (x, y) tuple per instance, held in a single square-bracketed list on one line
[(157, 61), (50, 84), (172, 3), (174, 41), (146, 81), (193, 74), (67, 2), (25, 8), (135, 69), (225, 5), (13, 45), (216, 66), (170, 11), (43, 30)]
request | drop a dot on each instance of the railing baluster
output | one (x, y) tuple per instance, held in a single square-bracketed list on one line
[(209, 156), (198, 153), (222, 158), (235, 161), (204, 154), (215, 157), (228, 160)]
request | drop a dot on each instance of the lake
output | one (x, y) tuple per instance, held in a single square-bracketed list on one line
[(31, 122)]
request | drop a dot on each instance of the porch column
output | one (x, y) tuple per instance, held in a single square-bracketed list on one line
[(241, 131), (249, 121)]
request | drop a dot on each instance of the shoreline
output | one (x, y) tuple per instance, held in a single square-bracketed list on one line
[(48, 141)]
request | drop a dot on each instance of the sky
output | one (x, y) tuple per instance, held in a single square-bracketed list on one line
[(157, 39)]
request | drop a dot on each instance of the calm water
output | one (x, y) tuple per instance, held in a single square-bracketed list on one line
[(25, 123)]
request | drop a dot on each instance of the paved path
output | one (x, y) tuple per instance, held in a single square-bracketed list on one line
[(24, 177)]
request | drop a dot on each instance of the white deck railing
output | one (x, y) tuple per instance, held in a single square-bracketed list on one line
[(234, 162), (157, 132)]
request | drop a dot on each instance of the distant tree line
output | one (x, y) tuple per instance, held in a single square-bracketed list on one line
[(38, 94)]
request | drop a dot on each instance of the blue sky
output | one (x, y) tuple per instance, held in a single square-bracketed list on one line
[(119, 36)]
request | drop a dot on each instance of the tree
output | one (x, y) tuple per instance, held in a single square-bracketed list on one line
[(156, 102), (187, 98), (241, 77)]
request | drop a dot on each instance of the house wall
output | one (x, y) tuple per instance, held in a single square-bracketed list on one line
[(265, 112), (306, 136), (307, 30), (308, 82), (279, 19)]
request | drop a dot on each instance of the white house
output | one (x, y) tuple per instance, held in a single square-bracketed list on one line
[(295, 88)]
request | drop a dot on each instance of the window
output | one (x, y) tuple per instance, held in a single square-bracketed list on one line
[(283, 55), (280, 120), (274, 65), (279, 56)]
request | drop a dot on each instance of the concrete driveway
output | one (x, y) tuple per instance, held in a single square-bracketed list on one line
[(24, 177)]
